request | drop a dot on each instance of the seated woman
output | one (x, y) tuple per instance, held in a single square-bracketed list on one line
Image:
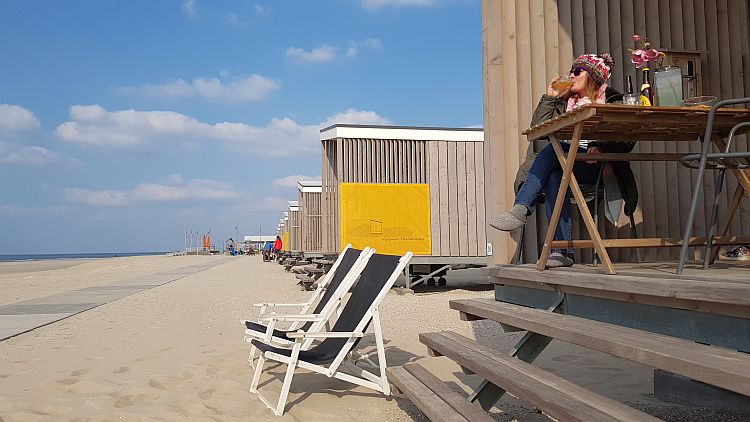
[(588, 73)]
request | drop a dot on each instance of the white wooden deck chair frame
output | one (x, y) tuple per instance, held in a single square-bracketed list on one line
[(363, 377), (320, 321), (306, 306)]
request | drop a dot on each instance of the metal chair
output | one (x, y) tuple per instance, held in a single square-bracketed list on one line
[(721, 161)]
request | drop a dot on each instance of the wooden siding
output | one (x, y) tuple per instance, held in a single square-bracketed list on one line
[(453, 169), (294, 231), (516, 75), (310, 222)]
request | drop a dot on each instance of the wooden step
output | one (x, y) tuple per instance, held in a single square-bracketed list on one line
[(724, 292), (713, 365), (432, 396), (555, 396)]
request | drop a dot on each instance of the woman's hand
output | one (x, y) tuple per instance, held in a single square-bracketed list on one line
[(593, 150), (551, 91)]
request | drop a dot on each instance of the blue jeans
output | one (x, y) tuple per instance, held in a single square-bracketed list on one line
[(545, 175)]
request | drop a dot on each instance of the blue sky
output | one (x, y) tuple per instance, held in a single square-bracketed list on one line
[(125, 123)]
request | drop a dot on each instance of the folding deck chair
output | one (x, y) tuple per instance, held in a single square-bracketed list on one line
[(322, 285), (362, 307), (330, 292)]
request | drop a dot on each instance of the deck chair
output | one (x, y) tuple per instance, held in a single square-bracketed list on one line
[(322, 286), (328, 356), (350, 263)]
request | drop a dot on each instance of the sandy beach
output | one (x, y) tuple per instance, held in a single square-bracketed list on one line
[(176, 351)]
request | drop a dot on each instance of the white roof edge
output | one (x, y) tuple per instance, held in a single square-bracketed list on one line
[(306, 186), (403, 132)]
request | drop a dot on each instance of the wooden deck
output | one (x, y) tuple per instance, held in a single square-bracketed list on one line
[(724, 289), (694, 325)]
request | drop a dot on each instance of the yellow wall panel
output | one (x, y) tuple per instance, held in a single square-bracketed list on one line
[(392, 218)]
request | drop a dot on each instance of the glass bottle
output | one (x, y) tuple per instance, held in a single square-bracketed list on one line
[(647, 92)]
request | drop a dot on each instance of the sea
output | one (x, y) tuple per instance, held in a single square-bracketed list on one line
[(37, 257)]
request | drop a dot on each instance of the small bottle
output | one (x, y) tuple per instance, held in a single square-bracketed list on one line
[(628, 85), (647, 93)]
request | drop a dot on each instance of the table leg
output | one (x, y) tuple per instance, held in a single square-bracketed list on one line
[(567, 168), (588, 221)]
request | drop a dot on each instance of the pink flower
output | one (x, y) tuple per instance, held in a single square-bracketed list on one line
[(650, 55), (637, 58), (636, 37)]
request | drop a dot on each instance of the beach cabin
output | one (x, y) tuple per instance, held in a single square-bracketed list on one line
[(525, 44), (689, 322), (294, 233), (400, 188), (310, 216)]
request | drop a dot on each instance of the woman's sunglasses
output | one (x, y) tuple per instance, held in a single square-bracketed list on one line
[(577, 71)]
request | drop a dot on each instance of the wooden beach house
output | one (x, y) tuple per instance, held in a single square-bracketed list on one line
[(525, 44), (294, 227), (310, 216), (401, 189), (691, 326)]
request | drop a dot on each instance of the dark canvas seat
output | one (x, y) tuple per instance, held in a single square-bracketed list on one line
[(339, 281)]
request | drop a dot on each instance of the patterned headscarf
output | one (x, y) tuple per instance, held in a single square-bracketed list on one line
[(597, 65)]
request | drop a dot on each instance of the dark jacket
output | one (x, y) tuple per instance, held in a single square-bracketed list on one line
[(550, 107)]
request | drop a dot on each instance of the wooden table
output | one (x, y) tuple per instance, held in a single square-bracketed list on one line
[(614, 122)]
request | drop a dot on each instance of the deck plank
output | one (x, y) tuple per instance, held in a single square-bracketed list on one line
[(425, 399)]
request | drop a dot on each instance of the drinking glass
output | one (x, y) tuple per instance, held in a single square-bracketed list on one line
[(562, 84), (632, 99)]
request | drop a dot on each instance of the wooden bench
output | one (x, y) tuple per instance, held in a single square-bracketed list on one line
[(432, 396), (312, 269), (717, 366), (305, 281), (555, 396)]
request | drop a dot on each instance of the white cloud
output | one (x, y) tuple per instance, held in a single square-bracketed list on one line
[(356, 117), (377, 4), (28, 155), (175, 188), (17, 126), (250, 88), (14, 118), (261, 10), (188, 7), (99, 198), (291, 181), (234, 19), (324, 53), (93, 126), (273, 203), (327, 53), (368, 43)]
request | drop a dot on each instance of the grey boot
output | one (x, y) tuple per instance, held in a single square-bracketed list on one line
[(557, 260), (511, 220)]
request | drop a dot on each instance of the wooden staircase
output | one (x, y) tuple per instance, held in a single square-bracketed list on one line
[(556, 397)]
